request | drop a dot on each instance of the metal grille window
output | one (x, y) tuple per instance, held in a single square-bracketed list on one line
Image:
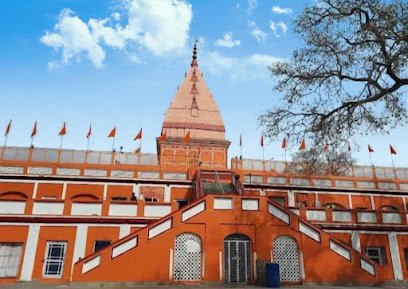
[(10, 256), (54, 259), (377, 254), (187, 257), (285, 253), (237, 259)]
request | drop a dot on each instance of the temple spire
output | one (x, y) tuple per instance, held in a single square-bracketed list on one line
[(194, 62)]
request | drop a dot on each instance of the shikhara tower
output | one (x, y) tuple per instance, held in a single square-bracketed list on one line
[(193, 112)]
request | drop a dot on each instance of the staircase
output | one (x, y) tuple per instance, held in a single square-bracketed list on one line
[(150, 254)]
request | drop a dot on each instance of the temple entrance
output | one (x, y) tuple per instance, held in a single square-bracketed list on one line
[(286, 254), (237, 259)]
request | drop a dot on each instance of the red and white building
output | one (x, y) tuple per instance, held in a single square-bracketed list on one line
[(187, 214)]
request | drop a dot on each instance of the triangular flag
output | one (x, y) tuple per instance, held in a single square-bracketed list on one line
[(284, 143), (8, 128), (186, 138), (262, 141), (240, 140), (163, 137), (63, 130), (393, 151), (370, 149), (34, 131), (88, 135), (139, 135), (302, 145), (112, 132)]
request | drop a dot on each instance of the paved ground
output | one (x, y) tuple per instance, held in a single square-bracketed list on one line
[(35, 285)]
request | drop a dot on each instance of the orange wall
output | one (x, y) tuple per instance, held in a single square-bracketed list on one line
[(51, 233), (100, 233), (49, 190), (15, 234)]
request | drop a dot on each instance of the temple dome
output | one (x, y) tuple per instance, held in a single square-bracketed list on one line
[(193, 109)]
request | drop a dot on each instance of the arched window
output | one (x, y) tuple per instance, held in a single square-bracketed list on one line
[(333, 206), (286, 254), (187, 257)]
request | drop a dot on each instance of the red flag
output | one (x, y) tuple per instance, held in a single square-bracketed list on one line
[(112, 132), (370, 149), (262, 141), (186, 138), (349, 147), (8, 128), (63, 130), (139, 135), (34, 132), (302, 145), (88, 135), (393, 151), (240, 140), (284, 143), (163, 137)]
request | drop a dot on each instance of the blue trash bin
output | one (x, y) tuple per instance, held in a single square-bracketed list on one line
[(272, 275)]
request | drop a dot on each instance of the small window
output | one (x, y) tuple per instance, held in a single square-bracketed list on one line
[(406, 258), (100, 244), (377, 254), (280, 200), (154, 200), (119, 198), (389, 208), (54, 259), (333, 206)]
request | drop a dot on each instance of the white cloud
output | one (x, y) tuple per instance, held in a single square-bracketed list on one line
[(227, 41), (116, 16), (251, 6), (257, 33), (159, 26), (73, 37), (278, 27), (238, 68), (279, 10)]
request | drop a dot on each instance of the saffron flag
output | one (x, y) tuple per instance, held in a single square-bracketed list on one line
[(163, 137), (370, 149), (393, 151), (302, 145), (34, 131), (88, 135), (262, 141), (284, 143), (8, 128), (139, 135), (112, 132), (63, 130), (186, 138)]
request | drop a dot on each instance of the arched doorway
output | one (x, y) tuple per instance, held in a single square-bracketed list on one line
[(237, 259), (187, 257), (286, 254)]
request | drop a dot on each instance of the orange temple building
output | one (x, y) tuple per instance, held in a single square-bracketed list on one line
[(187, 214)]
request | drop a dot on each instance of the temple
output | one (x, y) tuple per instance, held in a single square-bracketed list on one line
[(188, 214)]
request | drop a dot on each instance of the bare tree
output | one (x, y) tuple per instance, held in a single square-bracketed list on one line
[(349, 77), (318, 161)]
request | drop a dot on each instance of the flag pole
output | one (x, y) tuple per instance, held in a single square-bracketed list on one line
[(62, 137), (87, 143), (113, 143)]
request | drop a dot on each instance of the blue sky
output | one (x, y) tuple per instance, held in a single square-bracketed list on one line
[(119, 62)]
